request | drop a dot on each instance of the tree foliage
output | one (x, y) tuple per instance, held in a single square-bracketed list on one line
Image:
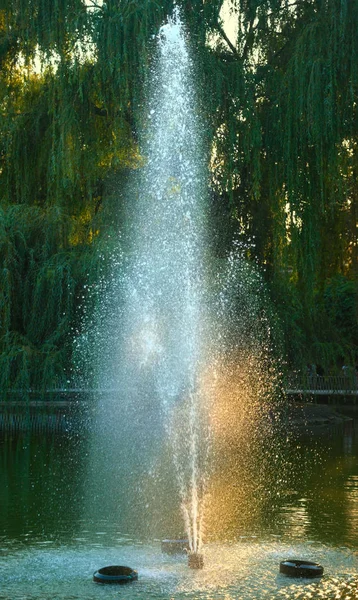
[(280, 106)]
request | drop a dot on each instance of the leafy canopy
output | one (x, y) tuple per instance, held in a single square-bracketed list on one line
[(279, 103)]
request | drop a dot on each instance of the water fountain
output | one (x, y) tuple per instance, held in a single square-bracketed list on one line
[(184, 427), (184, 339), (168, 336), (154, 348)]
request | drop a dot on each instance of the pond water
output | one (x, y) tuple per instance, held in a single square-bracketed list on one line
[(50, 545)]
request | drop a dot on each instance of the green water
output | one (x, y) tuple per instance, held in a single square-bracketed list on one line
[(50, 544), (41, 484), (314, 496)]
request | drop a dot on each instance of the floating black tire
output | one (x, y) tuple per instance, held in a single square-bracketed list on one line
[(175, 546), (300, 568), (114, 574)]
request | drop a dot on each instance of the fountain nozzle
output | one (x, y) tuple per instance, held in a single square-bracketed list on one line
[(195, 560)]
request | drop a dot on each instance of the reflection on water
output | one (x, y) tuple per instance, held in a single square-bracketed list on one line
[(302, 502), (351, 494), (41, 484), (301, 488)]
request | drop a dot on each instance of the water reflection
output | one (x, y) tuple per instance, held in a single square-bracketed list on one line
[(297, 519), (302, 501), (310, 492), (302, 489), (351, 494), (41, 484)]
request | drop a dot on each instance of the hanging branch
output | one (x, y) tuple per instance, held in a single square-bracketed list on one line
[(93, 4), (225, 37)]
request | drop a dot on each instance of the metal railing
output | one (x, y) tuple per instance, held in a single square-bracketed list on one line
[(296, 383), (334, 384)]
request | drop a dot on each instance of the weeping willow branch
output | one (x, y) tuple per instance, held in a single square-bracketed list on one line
[(222, 33)]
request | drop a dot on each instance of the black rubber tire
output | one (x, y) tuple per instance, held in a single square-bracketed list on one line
[(294, 567), (115, 574)]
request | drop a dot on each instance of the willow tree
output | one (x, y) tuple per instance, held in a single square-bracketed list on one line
[(287, 162), (69, 77), (280, 104)]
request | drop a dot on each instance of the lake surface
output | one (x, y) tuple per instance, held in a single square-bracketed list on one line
[(52, 539)]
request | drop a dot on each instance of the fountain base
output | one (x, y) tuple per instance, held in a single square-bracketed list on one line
[(195, 560)]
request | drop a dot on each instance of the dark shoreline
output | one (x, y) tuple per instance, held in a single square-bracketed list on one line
[(60, 415), (303, 415)]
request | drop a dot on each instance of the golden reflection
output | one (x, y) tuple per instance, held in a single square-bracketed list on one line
[(231, 504), (237, 393), (297, 518), (334, 588), (351, 490)]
